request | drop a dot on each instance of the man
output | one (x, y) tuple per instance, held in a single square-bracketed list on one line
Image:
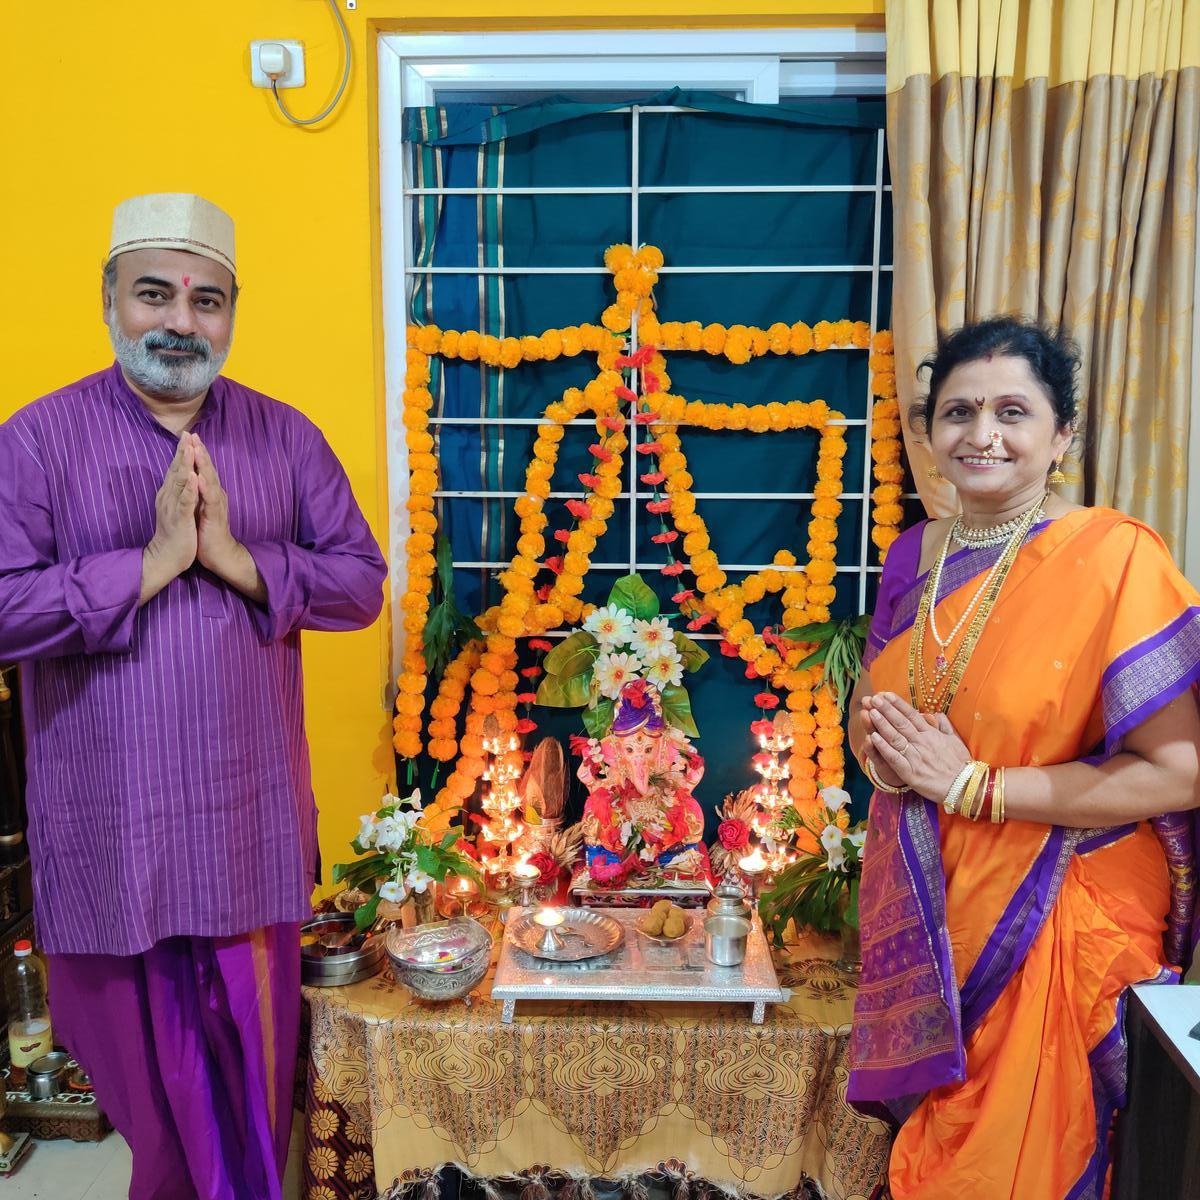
[(165, 534)]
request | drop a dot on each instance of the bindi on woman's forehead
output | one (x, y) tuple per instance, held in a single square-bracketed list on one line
[(979, 403), (187, 281)]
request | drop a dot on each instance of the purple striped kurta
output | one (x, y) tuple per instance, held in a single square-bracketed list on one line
[(169, 789)]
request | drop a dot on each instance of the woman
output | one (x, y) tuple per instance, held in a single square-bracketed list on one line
[(1027, 719)]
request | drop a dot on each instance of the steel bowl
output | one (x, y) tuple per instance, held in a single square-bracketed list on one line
[(443, 960), (45, 1076), (334, 953)]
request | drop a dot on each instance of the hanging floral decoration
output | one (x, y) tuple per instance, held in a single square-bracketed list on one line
[(885, 444), (541, 590)]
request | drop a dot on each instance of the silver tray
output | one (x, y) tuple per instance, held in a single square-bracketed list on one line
[(584, 933), (640, 970)]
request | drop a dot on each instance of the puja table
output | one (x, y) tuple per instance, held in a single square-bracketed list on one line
[(573, 1095)]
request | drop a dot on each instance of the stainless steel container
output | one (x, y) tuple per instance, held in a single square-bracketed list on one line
[(333, 953), (725, 940), (45, 1077), (729, 900)]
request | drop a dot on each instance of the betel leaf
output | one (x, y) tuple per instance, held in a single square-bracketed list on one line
[(597, 720), (563, 691), (573, 656), (812, 633), (677, 709), (693, 656), (634, 595), (365, 914)]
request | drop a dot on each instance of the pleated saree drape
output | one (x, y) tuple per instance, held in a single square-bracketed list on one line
[(1043, 161)]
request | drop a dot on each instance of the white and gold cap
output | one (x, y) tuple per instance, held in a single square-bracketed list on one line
[(173, 221)]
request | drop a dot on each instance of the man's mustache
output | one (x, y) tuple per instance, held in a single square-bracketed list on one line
[(161, 339)]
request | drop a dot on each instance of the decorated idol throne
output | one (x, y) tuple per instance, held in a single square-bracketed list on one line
[(642, 827)]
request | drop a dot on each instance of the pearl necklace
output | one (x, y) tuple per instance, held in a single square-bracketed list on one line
[(989, 535)]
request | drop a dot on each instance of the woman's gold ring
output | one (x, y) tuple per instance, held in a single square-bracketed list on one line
[(904, 749)]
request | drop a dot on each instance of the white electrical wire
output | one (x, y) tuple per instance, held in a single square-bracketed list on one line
[(341, 87)]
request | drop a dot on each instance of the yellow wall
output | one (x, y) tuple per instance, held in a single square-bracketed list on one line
[(106, 100)]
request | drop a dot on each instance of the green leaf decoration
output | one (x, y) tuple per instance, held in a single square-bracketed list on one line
[(564, 691), (447, 630), (693, 656), (819, 632), (573, 656), (817, 656), (597, 720), (365, 914), (634, 595), (677, 709)]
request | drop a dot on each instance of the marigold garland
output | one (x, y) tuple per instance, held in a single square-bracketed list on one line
[(423, 476), (527, 608), (885, 444)]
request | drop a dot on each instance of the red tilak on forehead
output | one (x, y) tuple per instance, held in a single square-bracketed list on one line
[(979, 403), (187, 281)]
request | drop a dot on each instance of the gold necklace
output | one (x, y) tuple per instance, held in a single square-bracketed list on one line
[(1005, 531), (937, 696)]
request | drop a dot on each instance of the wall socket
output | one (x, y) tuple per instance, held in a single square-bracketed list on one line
[(294, 75)]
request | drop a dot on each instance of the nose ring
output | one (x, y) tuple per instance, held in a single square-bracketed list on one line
[(997, 444)]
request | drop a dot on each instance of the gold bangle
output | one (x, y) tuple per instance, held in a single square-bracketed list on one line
[(879, 784), (998, 799), (954, 795), (978, 792), (966, 801)]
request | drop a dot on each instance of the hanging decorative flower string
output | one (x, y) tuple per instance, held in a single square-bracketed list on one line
[(542, 592)]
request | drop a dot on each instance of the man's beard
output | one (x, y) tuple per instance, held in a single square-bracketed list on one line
[(162, 376)]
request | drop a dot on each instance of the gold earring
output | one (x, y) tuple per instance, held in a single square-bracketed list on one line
[(1057, 476), (933, 472)]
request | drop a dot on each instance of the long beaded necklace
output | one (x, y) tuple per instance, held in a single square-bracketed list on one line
[(1009, 528), (937, 694)]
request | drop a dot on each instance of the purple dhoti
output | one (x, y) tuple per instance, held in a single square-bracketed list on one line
[(191, 1046)]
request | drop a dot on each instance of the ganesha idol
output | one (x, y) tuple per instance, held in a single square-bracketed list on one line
[(640, 818)]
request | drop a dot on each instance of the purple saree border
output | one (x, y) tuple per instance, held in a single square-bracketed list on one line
[(900, 1088), (1017, 929), (1136, 684), (1145, 677)]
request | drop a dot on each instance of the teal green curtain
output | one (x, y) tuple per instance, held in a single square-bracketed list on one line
[(561, 143)]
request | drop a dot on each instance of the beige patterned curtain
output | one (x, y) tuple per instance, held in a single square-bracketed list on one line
[(1043, 161)]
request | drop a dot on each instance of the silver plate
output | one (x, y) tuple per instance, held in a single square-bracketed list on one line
[(584, 934)]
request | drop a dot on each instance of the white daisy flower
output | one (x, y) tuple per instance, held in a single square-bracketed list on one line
[(831, 836), (834, 798), (610, 625), (652, 638), (417, 880), (664, 671), (391, 891), (614, 671)]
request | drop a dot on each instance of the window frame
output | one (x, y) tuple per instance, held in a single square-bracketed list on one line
[(760, 66)]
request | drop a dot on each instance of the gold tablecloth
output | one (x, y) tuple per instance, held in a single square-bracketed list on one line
[(593, 1089)]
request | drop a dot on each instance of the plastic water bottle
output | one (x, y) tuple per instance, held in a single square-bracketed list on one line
[(29, 1032)]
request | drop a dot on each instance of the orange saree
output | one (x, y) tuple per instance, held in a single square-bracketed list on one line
[(995, 957)]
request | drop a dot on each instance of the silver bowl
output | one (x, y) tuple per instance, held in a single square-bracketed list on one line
[(443, 960), (333, 953)]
